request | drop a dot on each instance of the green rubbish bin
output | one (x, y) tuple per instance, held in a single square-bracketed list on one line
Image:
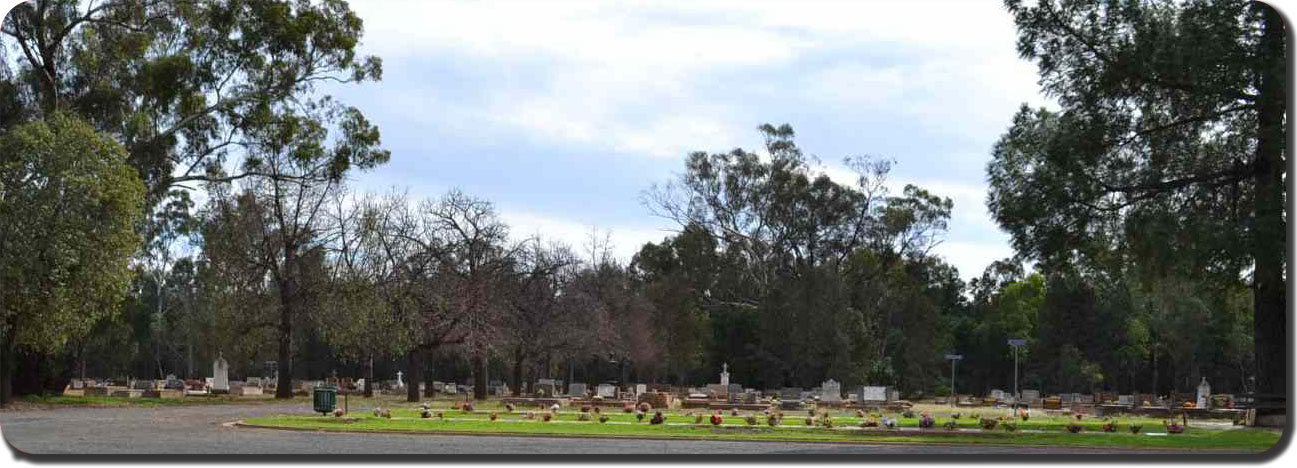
[(325, 399)]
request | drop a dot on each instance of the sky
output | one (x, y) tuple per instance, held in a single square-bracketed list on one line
[(563, 113)]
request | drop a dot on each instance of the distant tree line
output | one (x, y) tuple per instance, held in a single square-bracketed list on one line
[(1146, 213)]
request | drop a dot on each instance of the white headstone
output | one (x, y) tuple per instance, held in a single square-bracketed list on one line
[(641, 389), (997, 394), (1125, 400), (399, 383), (873, 394), (831, 391), (221, 375), (607, 391), (1204, 392), (1031, 395), (576, 390), (360, 384)]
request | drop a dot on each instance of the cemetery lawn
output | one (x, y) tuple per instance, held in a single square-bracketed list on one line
[(792, 429)]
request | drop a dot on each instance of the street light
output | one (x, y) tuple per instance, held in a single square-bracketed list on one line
[(1015, 343), (953, 358)]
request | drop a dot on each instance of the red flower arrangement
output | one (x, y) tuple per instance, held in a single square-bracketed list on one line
[(716, 420)]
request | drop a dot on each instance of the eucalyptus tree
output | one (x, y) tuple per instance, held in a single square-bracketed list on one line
[(1166, 152)]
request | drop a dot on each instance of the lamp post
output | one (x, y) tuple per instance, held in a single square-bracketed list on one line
[(1015, 343), (953, 358)]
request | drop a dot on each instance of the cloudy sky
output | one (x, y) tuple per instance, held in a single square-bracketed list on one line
[(563, 113)]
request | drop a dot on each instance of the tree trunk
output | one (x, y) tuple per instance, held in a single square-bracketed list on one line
[(284, 387), (6, 373), (429, 390), (516, 380), (1269, 234), (369, 379), (479, 376), (414, 369)]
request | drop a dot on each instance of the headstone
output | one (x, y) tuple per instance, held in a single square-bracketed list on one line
[(399, 382), (607, 391), (734, 388), (576, 390), (220, 375), (1031, 395), (546, 387), (893, 395), (451, 388), (750, 398), (718, 390), (873, 394), (831, 391), (1126, 400), (640, 389), (725, 374), (78, 384), (1204, 392), (997, 394)]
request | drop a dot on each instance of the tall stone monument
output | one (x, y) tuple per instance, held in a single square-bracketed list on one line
[(220, 375)]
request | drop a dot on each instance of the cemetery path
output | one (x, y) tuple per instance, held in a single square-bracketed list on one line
[(204, 429)]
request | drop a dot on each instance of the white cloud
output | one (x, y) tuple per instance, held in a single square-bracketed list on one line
[(971, 258), (625, 240)]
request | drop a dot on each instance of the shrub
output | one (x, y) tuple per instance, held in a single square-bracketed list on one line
[(494, 416), (426, 414), (751, 419), (734, 412), (951, 425), (337, 413), (583, 417), (467, 407), (989, 424), (1079, 416), (441, 415), (387, 413), (871, 422), (698, 418), (603, 418), (645, 407), (716, 420), (1110, 426), (957, 415), (658, 418), (628, 409), (585, 409), (1073, 427), (508, 407), (772, 420), (1009, 426), (546, 416), (639, 415), (1135, 428), (810, 421)]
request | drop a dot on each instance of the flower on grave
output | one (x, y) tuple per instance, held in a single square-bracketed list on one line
[(467, 407), (585, 409), (494, 416), (926, 422), (554, 408), (698, 418), (529, 415), (1072, 427), (583, 417), (1173, 427), (734, 412), (751, 419), (716, 420), (907, 414), (645, 407), (956, 415), (810, 421), (596, 410), (337, 413), (951, 425), (425, 414), (772, 420), (766, 411), (603, 418), (826, 421), (639, 415), (871, 422), (1009, 426), (1079, 416), (628, 409), (1135, 428), (890, 423), (387, 413), (989, 424), (441, 415), (546, 416), (424, 407), (378, 412), (1109, 425), (658, 418), (860, 414), (1023, 414)]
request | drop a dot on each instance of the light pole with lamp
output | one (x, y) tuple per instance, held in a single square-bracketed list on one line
[(1015, 343), (953, 358)]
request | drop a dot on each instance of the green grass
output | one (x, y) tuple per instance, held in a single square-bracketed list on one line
[(407, 420)]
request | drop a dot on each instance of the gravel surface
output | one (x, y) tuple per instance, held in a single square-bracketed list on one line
[(205, 429)]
